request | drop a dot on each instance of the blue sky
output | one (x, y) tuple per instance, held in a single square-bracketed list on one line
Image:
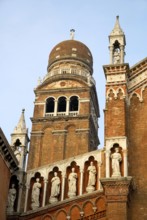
[(29, 29)]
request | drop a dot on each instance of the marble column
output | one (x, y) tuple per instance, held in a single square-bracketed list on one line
[(26, 197), (44, 191), (107, 163), (81, 181), (63, 185)]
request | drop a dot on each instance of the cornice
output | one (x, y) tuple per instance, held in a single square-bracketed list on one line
[(7, 153)]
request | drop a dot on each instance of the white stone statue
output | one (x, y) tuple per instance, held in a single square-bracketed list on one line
[(11, 198), (35, 194), (55, 188), (72, 181), (116, 159), (116, 56), (92, 178), (17, 154)]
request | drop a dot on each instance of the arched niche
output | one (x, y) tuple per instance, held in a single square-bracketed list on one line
[(61, 214), (100, 204), (15, 182), (121, 164), (68, 171), (86, 173), (88, 208), (32, 181), (50, 176), (75, 212)]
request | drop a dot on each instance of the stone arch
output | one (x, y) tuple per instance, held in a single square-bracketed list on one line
[(142, 91), (74, 212), (110, 94), (62, 103), (50, 104), (120, 93), (61, 214), (133, 94), (47, 217), (100, 203)]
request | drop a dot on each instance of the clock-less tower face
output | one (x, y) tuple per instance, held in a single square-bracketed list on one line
[(66, 111)]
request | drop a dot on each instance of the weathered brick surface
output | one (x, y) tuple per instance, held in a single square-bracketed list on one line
[(4, 186), (137, 152)]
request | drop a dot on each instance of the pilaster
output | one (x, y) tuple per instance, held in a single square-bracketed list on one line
[(116, 191)]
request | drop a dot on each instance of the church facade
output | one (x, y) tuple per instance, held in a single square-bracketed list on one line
[(67, 176)]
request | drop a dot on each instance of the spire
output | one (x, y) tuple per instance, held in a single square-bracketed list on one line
[(117, 44), (21, 126), (117, 30)]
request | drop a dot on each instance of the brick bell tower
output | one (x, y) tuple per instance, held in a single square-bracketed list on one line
[(116, 185), (116, 98), (66, 108)]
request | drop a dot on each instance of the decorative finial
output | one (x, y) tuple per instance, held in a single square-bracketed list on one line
[(117, 17), (23, 110), (72, 34)]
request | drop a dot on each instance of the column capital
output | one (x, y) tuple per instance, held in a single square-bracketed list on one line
[(117, 189)]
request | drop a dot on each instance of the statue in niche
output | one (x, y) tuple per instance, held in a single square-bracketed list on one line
[(35, 194), (55, 188), (92, 178), (11, 198), (116, 159), (17, 154), (116, 56), (72, 182)]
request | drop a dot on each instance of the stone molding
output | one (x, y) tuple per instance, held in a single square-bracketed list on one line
[(116, 189), (7, 153)]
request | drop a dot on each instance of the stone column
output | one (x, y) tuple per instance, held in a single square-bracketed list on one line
[(116, 191), (81, 181), (67, 106), (63, 185), (125, 162), (122, 54), (44, 191), (107, 163), (19, 197), (111, 54), (55, 108), (26, 197), (99, 175)]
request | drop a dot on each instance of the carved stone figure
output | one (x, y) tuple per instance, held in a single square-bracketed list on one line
[(116, 159), (55, 188), (17, 154), (92, 178), (35, 194), (116, 56), (11, 198), (72, 181)]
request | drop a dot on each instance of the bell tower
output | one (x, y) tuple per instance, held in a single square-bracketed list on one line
[(66, 110), (117, 44), (115, 113)]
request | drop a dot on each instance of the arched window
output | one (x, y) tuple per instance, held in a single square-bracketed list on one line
[(74, 103), (62, 104), (50, 103)]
